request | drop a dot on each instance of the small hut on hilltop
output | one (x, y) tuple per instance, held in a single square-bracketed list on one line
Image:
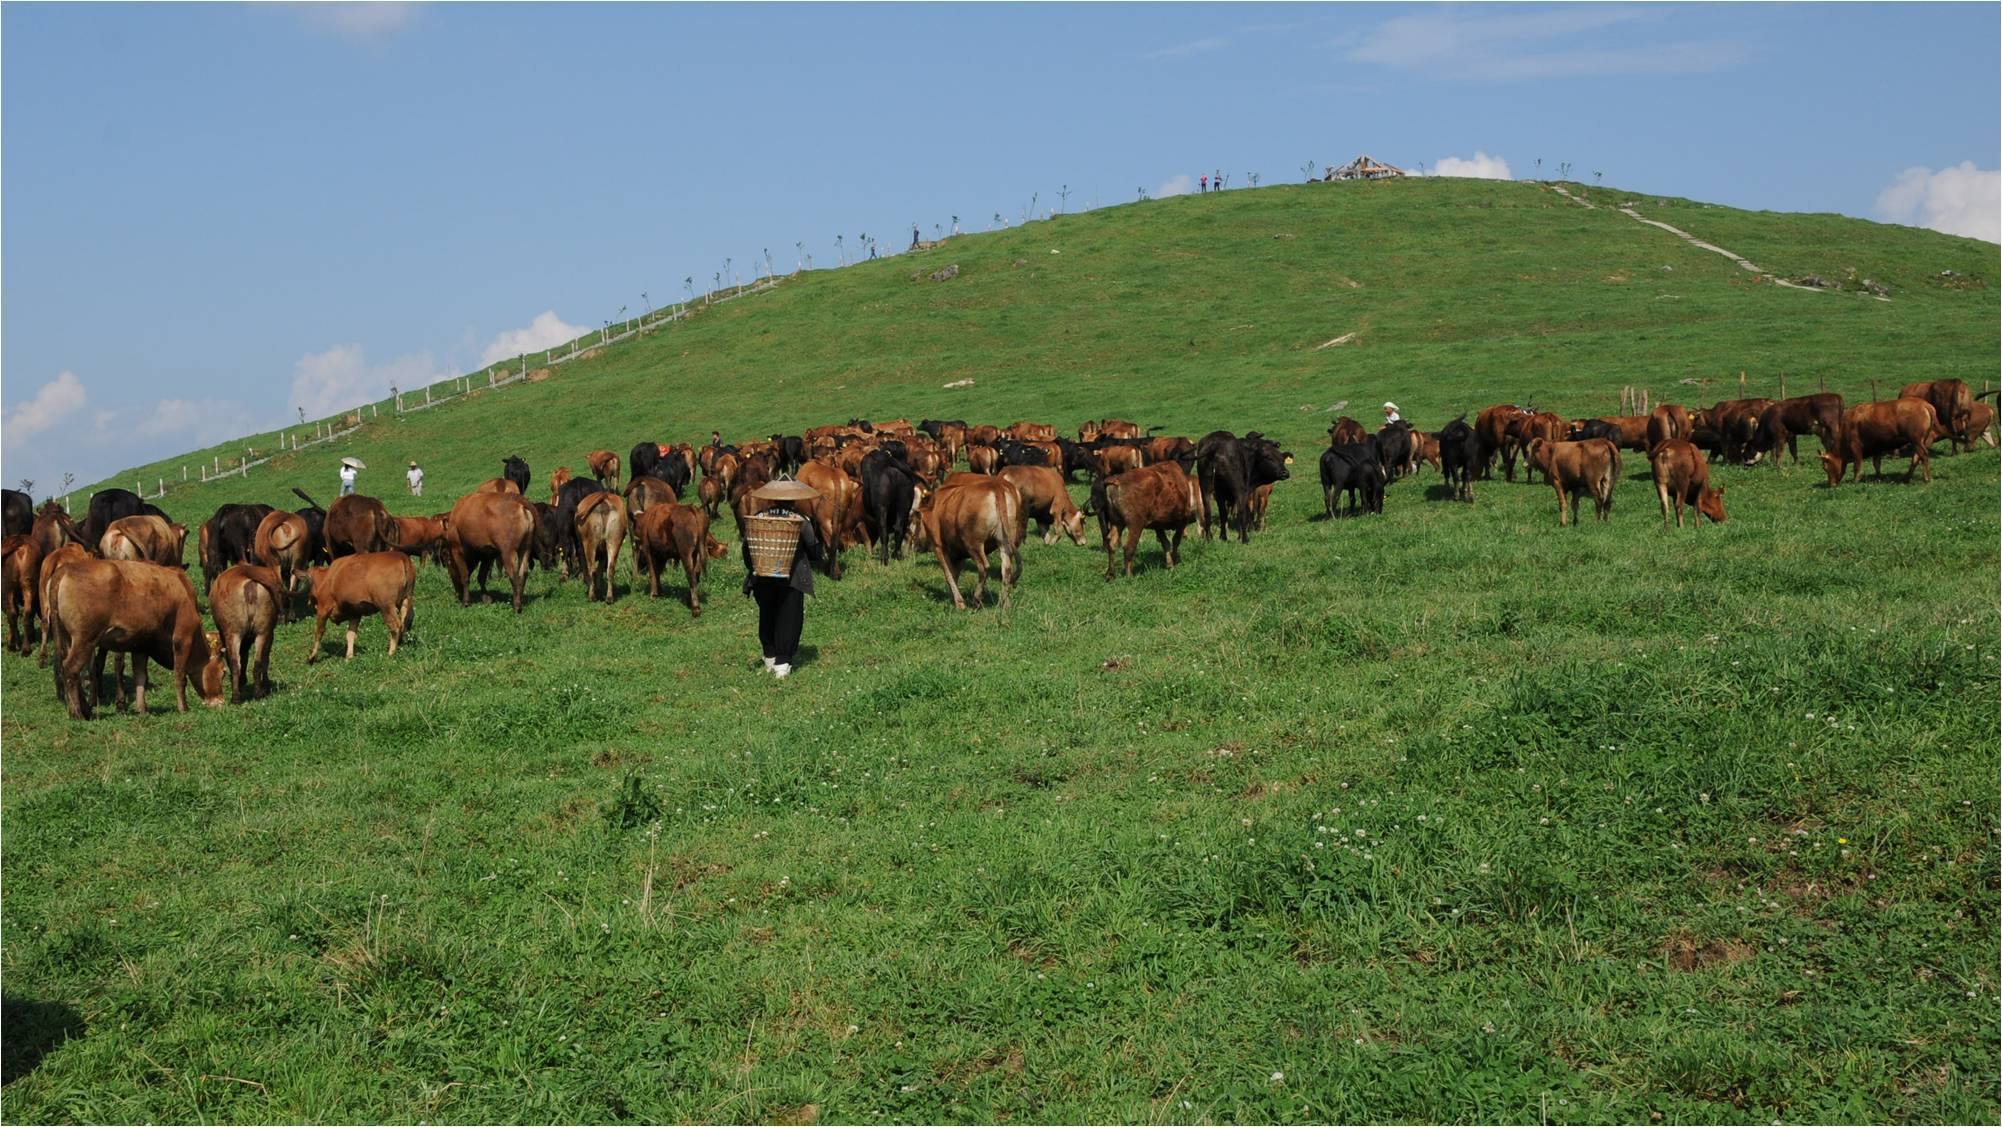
[(1364, 168)]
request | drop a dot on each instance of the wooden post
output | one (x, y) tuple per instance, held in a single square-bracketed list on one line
[(1646, 397), (184, 473), (1741, 383), (1873, 389), (427, 396), (1783, 383), (1824, 381), (162, 485)]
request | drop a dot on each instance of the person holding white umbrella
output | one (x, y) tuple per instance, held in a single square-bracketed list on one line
[(349, 467)]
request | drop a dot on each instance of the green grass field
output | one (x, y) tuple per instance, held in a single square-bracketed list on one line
[(1447, 814)]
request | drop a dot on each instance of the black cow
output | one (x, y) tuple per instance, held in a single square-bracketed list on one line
[(889, 489), (20, 513), (936, 427), (1231, 469), (1077, 456), (573, 491), (107, 505), (1460, 457), (1393, 449), (1015, 453), (316, 528), (645, 461), (1353, 467), (229, 538), (515, 469), (790, 452), (548, 544)]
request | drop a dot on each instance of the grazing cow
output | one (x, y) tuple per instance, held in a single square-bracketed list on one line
[(1736, 422), (670, 532), (489, 528), (1345, 431), (20, 566), (645, 459), (1394, 449), (558, 478), (1666, 421), (245, 602), (20, 512), (1031, 432), (145, 538), (52, 562), (1161, 497), (984, 434), (283, 544), (1591, 466), (357, 523), (1951, 401), (1352, 468), (644, 491), (967, 521), (1231, 468), (419, 536), (1046, 501), (604, 466), (515, 469), (546, 545), (1628, 432), (1525, 429), (889, 493), (1118, 428), (99, 607), (601, 529), (228, 538), (1782, 424), (1873, 430), (107, 505), (356, 586), (566, 501), (838, 507), (982, 458), (1170, 448), (1980, 425), (1109, 456), (1491, 431), (1424, 450), (1682, 477), (1459, 457)]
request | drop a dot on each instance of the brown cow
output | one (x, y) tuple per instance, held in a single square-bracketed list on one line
[(1118, 428), (1571, 468), (982, 458), (284, 542), (1261, 496), (99, 607), (418, 536), (1951, 400), (1161, 497), (244, 601), (357, 524), (984, 434), (486, 528), (558, 478), (1682, 477), (53, 528), (1031, 432), (669, 532), (710, 493), (645, 491), (51, 563), (604, 466), (1113, 458), (1782, 424), (148, 538), (498, 485), (1667, 421), (1343, 432), (601, 529), (1424, 448), (840, 500), (1525, 429), (1173, 448), (968, 520), (1046, 501), (1736, 422), (1491, 429), (1632, 430), (356, 586), (1873, 430), (1980, 425), (20, 567), (951, 440)]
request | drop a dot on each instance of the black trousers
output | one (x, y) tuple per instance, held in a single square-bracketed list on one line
[(781, 613)]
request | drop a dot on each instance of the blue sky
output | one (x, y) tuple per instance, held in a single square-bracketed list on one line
[(213, 214)]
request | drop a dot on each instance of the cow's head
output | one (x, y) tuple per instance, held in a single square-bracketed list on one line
[(713, 547), (1833, 466), (1711, 503), (1072, 525)]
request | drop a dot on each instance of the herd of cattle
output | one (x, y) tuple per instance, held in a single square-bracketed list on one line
[(117, 583)]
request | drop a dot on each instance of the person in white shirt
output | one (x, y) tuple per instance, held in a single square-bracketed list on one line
[(1390, 414), (416, 479), (347, 479)]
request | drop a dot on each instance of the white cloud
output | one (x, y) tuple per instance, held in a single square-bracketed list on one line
[(1480, 167), (1962, 200), (546, 331), (1180, 184), (358, 21), (1184, 50), (1534, 44), (52, 401), (341, 377)]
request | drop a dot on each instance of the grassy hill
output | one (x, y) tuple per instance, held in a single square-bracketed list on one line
[(1447, 814)]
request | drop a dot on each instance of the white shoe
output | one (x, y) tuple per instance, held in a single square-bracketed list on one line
[(781, 670), (769, 663)]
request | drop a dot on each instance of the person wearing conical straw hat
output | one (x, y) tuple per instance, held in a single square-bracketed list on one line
[(781, 598), (349, 468)]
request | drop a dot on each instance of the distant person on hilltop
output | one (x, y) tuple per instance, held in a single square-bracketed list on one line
[(416, 479), (1216, 181), (347, 479), (1202, 183)]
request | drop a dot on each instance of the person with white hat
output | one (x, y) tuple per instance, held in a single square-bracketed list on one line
[(1390, 414), (415, 477), (782, 598)]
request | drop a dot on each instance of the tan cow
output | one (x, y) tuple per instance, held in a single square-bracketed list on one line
[(284, 543), (354, 587), (100, 607), (1591, 466), (1682, 477), (601, 529), (497, 485), (1667, 421), (51, 563), (667, 533), (244, 601), (20, 566), (969, 520), (484, 529), (147, 538), (604, 466), (1046, 501)]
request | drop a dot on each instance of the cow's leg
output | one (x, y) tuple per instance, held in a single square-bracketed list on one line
[(1561, 520), (117, 678), (455, 566), (979, 556), (392, 620), (950, 565), (71, 661), (486, 566), (1679, 503), (260, 680), (1011, 570), (1661, 491), (517, 576), (319, 632), (691, 569), (138, 683), (232, 656), (353, 624), (1105, 530), (1920, 457)]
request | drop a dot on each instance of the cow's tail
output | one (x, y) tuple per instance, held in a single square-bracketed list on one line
[(1989, 394), (302, 496)]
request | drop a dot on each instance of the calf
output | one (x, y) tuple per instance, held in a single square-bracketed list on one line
[(1459, 458), (1571, 468), (20, 565), (969, 520), (604, 466), (99, 607), (1873, 430), (356, 523), (245, 602), (1352, 468), (146, 538), (1160, 497), (1980, 425), (1047, 502), (282, 543), (670, 532), (1682, 477), (484, 529), (601, 529), (356, 586)]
